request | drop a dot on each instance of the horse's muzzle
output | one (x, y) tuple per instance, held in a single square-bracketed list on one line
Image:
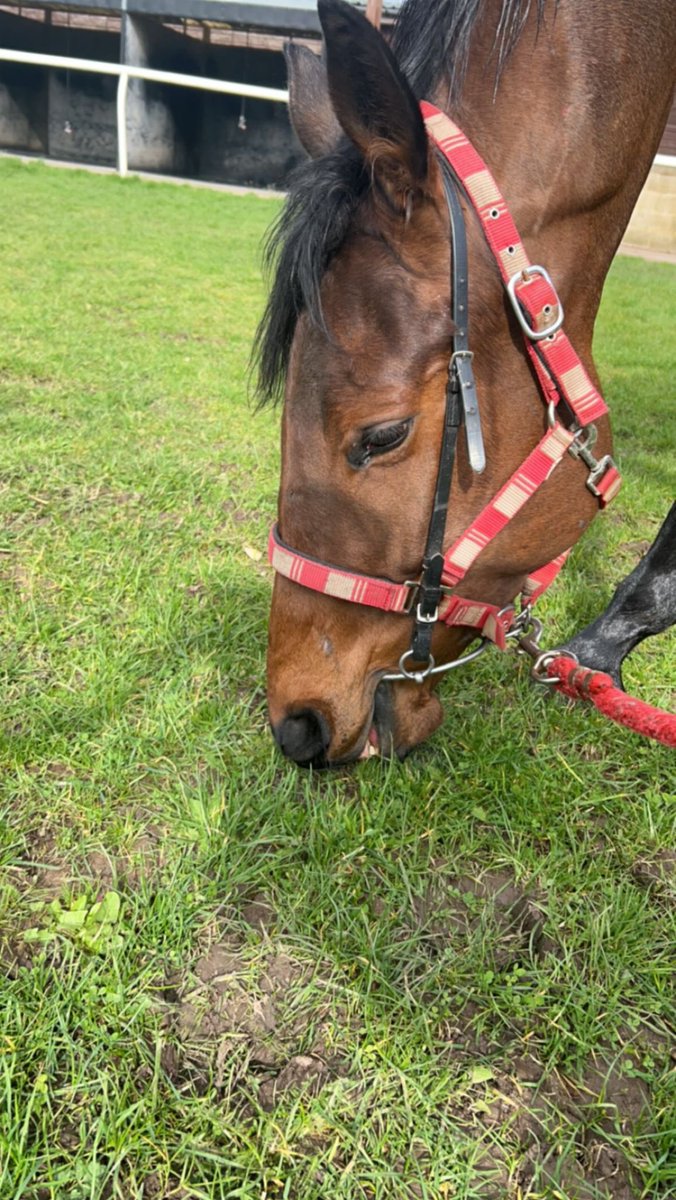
[(304, 737)]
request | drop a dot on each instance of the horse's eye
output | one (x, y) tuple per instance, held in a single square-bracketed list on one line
[(379, 439)]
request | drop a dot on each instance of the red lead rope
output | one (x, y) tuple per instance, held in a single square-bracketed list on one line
[(581, 683)]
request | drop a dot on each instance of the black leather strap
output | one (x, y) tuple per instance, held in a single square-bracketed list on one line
[(462, 356), (460, 396)]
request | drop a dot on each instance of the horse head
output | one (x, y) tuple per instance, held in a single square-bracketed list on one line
[(359, 327)]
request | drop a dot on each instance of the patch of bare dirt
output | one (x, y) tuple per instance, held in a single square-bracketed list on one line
[(259, 913), (25, 583), (48, 875), (256, 1029), (638, 548), (143, 862), (155, 1189), (658, 872), (254, 1024), (565, 1134), (301, 1073), (455, 908), (252, 1029), (43, 870)]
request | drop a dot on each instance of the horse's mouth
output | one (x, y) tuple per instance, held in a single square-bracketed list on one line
[(372, 744), (379, 741)]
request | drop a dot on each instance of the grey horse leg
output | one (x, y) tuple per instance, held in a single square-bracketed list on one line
[(644, 604)]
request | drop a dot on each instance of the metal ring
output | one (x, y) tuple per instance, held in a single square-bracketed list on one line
[(525, 626), (421, 676), (542, 662), (416, 676)]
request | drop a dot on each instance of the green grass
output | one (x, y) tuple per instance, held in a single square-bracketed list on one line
[(357, 950)]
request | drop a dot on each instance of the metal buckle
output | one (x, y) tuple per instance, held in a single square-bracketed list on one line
[(597, 473), (431, 620), (414, 585), (535, 335)]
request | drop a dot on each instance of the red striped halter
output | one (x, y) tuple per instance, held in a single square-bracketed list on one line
[(562, 378)]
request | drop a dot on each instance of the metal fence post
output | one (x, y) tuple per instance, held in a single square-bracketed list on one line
[(122, 157)]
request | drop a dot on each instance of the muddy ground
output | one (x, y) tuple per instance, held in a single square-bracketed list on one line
[(236, 1022)]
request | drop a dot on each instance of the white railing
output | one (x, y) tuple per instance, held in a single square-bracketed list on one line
[(124, 73)]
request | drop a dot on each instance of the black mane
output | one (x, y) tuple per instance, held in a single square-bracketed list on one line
[(431, 38), (323, 195)]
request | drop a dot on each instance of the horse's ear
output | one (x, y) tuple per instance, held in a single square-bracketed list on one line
[(372, 99), (312, 116)]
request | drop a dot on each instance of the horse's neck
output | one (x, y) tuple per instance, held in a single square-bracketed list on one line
[(574, 125)]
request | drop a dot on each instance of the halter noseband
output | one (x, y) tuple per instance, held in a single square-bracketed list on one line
[(563, 381)]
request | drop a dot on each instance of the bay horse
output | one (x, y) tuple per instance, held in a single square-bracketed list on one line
[(366, 332)]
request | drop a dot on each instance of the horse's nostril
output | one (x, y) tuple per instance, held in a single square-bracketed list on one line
[(304, 737)]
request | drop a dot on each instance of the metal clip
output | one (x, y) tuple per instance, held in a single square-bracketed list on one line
[(526, 631), (535, 335), (604, 464), (521, 621), (583, 451)]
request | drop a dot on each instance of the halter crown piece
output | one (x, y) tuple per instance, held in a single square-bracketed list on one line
[(562, 378)]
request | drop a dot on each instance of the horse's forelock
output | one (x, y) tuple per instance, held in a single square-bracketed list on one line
[(323, 196)]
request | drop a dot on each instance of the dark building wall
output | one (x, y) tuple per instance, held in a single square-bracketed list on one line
[(66, 114), (23, 90), (82, 120), (196, 133), (23, 108), (173, 130), (153, 134), (266, 150)]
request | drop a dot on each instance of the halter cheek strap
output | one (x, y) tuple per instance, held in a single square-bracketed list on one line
[(461, 405), (566, 387)]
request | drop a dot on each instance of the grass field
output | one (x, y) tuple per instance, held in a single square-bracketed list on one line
[(224, 977)]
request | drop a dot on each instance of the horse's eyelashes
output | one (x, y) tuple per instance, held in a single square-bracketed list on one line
[(379, 439), (386, 436)]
